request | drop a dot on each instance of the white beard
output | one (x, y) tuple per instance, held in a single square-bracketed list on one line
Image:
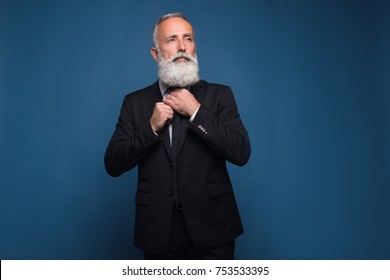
[(178, 74)]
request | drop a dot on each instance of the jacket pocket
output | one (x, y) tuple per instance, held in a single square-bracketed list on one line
[(219, 189), (142, 198)]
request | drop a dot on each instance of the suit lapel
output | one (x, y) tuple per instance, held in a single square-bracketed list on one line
[(197, 90)]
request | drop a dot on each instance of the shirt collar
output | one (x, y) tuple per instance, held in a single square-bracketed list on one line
[(163, 86)]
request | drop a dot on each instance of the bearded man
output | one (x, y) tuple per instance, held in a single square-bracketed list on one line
[(180, 132)]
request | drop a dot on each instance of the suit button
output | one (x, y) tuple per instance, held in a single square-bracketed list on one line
[(169, 193), (171, 163)]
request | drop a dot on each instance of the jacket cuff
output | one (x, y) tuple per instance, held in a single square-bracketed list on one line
[(148, 136), (200, 122)]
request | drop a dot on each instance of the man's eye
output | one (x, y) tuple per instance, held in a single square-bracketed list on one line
[(170, 40)]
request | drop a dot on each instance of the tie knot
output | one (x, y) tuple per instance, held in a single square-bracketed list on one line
[(169, 90)]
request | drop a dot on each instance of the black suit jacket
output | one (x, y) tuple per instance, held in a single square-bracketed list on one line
[(215, 136)]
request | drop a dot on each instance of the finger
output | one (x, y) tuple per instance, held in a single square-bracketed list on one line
[(168, 102), (172, 104), (169, 109), (166, 111), (173, 93), (162, 107), (159, 104)]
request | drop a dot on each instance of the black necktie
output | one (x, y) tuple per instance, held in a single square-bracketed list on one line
[(176, 132), (175, 126)]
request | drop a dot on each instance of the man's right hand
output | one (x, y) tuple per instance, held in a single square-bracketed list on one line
[(162, 114)]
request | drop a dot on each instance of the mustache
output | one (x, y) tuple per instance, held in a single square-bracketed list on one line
[(180, 55)]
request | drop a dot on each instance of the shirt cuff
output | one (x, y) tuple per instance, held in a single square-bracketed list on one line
[(193, 116)]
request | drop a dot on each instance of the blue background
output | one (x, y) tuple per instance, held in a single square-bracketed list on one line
[(311, 79)]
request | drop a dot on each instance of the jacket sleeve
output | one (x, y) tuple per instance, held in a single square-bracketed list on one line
[(129, 143), (223, 129)]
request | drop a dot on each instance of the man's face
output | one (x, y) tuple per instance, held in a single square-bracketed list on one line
[(175, 35), (175, 53)]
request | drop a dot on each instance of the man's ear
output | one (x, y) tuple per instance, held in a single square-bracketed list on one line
[(154, 53)]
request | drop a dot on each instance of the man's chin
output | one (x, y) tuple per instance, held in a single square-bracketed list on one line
[(178, 73), (181, 83)]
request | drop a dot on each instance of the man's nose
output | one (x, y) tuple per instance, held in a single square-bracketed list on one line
[(181, 46)]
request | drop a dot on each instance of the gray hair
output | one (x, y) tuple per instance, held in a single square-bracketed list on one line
[(160, 20)]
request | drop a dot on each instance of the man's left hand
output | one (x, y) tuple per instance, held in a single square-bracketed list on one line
[(182, 101)]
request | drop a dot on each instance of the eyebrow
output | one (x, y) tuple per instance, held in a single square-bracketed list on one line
[(173, 36)]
